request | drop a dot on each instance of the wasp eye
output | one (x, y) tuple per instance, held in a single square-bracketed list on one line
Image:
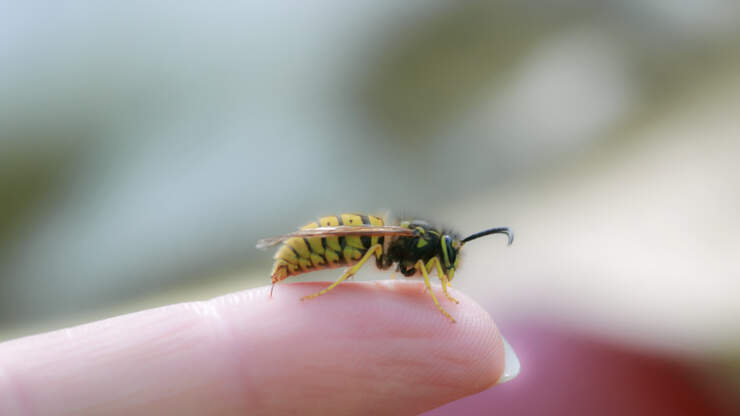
[(450, 251)]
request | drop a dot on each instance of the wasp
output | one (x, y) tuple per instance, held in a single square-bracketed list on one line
[(351, 240)]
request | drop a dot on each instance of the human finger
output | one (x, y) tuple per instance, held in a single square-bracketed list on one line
[(363, 348)]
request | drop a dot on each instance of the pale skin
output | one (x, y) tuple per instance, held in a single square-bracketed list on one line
[(365, 348)]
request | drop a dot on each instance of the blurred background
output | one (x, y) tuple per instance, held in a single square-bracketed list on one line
[(145, 147)]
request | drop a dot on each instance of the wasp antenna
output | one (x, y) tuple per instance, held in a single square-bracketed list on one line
[(498, 230)]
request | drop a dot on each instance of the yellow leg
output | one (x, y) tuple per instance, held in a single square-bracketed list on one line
[(350, 271), (442, 278), (420, 266), (445, 283)]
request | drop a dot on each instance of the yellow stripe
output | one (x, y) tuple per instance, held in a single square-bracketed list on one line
[(351, 254), (331, 242), (355, 241), (314, 242), (356, 221), (300, 247), (286, 254), (374, 221), (317, 260), (310, 225), (305, 264), (329, 221), (315, 245), (352, 219), (332, 257)]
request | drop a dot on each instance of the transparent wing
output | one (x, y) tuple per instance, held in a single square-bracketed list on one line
[(338, 231)]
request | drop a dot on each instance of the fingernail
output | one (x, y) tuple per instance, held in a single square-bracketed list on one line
[(511, 364)]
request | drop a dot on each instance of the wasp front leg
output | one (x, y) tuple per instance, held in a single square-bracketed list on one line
[(442, 278), (420, 266)]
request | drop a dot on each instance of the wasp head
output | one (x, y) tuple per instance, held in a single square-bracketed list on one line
[(450, 249)]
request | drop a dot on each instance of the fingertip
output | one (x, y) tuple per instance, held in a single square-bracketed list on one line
[(512, 366), (374, 345)]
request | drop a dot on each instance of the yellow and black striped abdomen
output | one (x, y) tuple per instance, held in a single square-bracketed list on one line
[(302, 255)]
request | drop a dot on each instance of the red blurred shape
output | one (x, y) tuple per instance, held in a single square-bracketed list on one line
[(568, 374)]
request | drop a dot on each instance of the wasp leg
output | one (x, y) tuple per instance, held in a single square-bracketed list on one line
[(446, 283), (350, 271), (442, 278), (420, 266)]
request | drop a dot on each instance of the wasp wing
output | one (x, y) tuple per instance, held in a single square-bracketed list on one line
[(338, 231)]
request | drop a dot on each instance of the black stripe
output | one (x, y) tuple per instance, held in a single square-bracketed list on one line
[(342, 241), (310, 250), (365, 219), (323, 240), (298, 256), (365, 240)]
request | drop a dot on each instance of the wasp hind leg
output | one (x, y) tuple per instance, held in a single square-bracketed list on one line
[(442, 278), (350, 271), (420, 266)]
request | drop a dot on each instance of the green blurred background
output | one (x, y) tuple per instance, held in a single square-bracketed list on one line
[(145, 147)]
